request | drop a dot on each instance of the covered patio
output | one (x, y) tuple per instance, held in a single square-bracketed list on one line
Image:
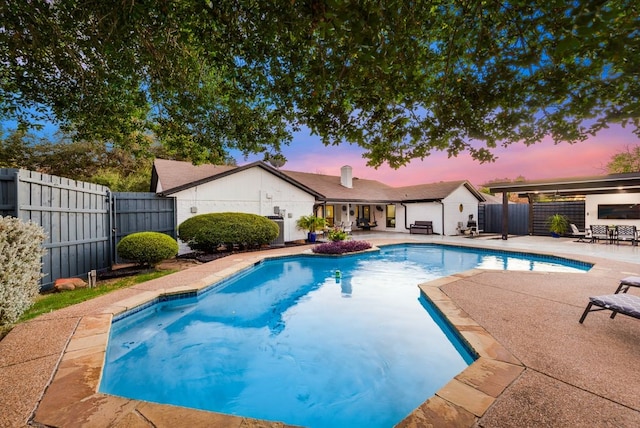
[(612, 184), (362, 215)]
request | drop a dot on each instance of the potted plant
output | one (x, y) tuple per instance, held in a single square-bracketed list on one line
[(558, 225), (310, 223)]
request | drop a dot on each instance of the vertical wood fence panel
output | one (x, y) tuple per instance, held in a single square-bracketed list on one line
[(573, 210), (8, 188), (520, 222), (75, 217), (518, 219), (142, 212)]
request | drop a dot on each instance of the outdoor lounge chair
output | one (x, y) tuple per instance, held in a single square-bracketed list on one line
[(629, 281), (623, 303), (575, 233), (620, 301)]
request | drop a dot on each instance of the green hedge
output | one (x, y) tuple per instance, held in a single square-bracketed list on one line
[(207, 232), (147, 248)]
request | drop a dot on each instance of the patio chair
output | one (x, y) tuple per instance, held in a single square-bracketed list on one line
[(599, 231), (625, 304), (627, 233), (575, 233)]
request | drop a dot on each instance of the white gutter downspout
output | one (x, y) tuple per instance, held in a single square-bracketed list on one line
[(405, 216), (442, 205)]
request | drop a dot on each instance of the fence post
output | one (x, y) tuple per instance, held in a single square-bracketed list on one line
[(16, 189), (112, 234), (505, 216)]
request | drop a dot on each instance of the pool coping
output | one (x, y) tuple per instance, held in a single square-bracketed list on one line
[(72, 398)]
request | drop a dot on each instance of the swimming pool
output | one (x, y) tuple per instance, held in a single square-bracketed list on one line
[(290, 340)]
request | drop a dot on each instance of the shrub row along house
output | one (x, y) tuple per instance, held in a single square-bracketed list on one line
[(258, 188)]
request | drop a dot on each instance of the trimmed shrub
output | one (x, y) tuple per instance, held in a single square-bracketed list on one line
[(147, 248), (20, 266), (207, 232), (341, 247)]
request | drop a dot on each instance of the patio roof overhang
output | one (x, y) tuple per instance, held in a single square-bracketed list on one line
[(613, 183)]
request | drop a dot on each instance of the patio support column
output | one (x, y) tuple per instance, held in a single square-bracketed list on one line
[(505, 215), (531, 199)]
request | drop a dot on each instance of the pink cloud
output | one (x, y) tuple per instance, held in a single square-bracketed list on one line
[(540, 161)]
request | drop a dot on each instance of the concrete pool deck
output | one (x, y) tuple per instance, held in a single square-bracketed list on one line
[(538, 366)]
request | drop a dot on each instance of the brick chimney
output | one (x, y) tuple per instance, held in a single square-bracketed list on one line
[(346, 176)]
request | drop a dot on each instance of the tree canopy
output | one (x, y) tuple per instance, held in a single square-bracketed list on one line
[(400, 79), (627, 160), (121, 170)]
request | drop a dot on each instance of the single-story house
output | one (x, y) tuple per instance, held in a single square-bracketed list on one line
[(259, 188)]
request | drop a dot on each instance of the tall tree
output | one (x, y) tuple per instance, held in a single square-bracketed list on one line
[(625, 161), (17, 149), (401, 79)]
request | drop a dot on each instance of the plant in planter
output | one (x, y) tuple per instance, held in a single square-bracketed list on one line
[(341, 247), (336, 234), (311, 224), (558, 225)]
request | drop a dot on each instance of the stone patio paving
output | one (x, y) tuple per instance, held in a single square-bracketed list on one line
[(538, 365)]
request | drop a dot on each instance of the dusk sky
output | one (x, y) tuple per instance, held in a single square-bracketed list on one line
[(540, 161)]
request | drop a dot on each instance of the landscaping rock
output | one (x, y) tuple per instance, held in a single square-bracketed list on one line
[(63, 284)]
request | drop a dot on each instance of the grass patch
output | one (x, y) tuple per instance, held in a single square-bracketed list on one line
[(54, 301)]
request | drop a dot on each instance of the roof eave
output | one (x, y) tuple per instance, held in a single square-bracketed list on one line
[(259, 164), (415, 201)]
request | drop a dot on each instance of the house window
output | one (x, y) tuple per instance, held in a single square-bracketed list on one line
[(619, 212), (391, 216), (328, 215), (366, 212)]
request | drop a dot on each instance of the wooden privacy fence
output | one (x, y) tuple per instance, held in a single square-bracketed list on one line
[(526, 219), (491, 215), (140, 212), (81, 220), (573, 210)]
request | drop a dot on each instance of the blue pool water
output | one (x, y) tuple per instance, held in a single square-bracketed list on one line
[(312, 341)]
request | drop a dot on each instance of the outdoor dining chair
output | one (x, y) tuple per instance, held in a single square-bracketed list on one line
[(627, 233), (599, 231)]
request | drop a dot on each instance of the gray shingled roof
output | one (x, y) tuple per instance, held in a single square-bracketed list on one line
[(173, 174), (431, 191), (176, 175), (329, 186)]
